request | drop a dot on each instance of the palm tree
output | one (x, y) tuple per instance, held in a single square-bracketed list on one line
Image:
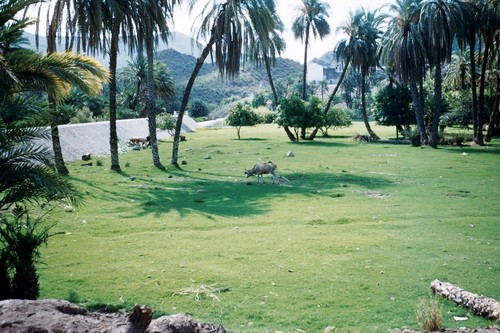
[(134, 76), (489, 12), (266, 44), (152, 24), (225, 25), (344, 51), (403, 51), (362, 50), (312, 17), (438, 22), (467, 38), (26, 173)]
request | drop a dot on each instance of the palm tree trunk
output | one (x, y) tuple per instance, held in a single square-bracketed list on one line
[(113, 135), (56, 142), (289, 133), (474, 85), (363, 108), (150, 103), (436, 110), (478, 137), (304, 76), (185, 99), (330, 99), (494, 112), (419, 113)]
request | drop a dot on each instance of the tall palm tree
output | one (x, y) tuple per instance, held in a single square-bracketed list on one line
[(362, 50), (402, 50), (467, 36), (153, 17), (344, 51), (26, 173), (489, 12), (224, 25), (438, 22), (134, 76), (312, 17), (265, 44)]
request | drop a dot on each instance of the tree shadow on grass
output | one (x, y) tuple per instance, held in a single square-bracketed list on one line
[(198, 192)]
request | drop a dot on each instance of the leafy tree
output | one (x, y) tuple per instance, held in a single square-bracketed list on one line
[(241, 115), (224, 25), (297, 114), (166, 122), (259, 99), (290, 113), (392, 107), (336, 117), (312, 17), (198, 109)]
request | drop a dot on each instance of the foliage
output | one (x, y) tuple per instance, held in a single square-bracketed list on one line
[(460, 109), (198, 109), (241, 115), (291, 113), (336, 117), (295, 113), (259, 99), (84, 115), (20, 240), (26, 174), (166, 122), (391, 107), (133, 82)]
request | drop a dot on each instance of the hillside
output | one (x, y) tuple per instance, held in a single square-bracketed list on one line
[(180, 57), (209, 86)]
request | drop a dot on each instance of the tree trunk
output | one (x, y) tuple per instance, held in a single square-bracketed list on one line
[(494, 112), (473, 87), (56, 142), (330, 99), (139, 319), (419, 113), (304, 74), (185, 99), (113, 135), (304, 77), (289, 133), (363, 109), (478, 137), (436, 109), (480, 305), (150, 103)]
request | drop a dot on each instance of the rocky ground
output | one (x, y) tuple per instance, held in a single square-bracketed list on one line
[(56, 316)]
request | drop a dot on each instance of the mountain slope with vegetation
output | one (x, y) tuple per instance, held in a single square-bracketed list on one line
[(210, 87)]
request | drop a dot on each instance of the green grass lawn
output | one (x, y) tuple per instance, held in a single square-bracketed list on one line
[(353, 240)]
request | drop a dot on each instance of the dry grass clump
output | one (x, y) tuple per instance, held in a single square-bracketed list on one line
[(429, 316)]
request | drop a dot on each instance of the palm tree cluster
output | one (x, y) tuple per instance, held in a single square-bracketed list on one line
[(420, 37), (30, 83)]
